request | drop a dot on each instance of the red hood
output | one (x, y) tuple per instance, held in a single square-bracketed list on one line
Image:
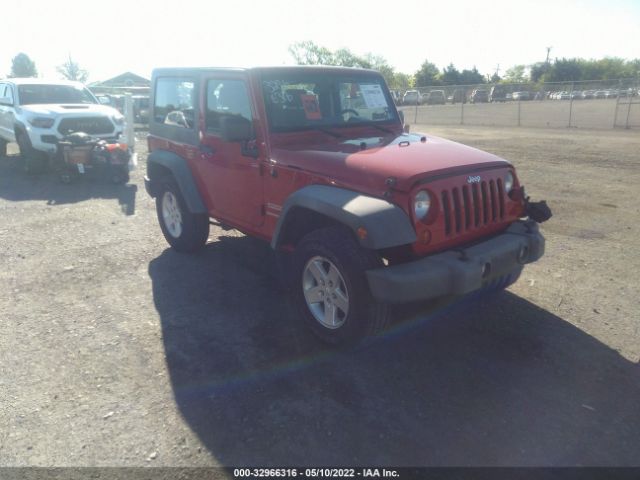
[(405, 157)]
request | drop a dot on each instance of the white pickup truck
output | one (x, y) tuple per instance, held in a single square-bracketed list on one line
[(37, 113)]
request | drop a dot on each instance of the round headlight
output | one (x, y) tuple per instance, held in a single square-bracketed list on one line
[(421, 204), (508, 182)]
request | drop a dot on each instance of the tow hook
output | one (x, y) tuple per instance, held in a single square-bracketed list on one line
[(537, 211)]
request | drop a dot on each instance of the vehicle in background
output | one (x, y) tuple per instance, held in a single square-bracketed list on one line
[(37, 114), (458, 96), (588, 94), (600, 94), (497, 94), (524, 95), (479, 95), (141, 108), (412, 97), (576, 95), (436, 97)]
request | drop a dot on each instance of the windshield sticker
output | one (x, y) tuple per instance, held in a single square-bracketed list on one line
[(373, 96), (311, 107)]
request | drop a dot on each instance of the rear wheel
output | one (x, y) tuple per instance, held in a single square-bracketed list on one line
[(183, 230), (330, 288)]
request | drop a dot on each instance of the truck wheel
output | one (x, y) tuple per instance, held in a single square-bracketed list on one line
[(183, 230), (330, 289), (32, 161)]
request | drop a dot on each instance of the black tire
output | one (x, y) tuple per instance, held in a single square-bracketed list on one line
[(337, 245), (31, 160), (194, 228)]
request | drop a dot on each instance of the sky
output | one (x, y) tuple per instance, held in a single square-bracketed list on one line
[(111, 37)]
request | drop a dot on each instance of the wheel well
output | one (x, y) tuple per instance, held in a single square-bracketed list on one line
[(299, 222), (155, 171)]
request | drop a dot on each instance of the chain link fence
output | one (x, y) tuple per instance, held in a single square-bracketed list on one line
[(584, 104)]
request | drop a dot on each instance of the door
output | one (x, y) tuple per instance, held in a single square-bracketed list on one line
[(6, 112), (230, 170)]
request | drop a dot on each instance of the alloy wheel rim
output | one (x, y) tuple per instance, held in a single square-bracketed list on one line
[(325, 292), (171, 214)]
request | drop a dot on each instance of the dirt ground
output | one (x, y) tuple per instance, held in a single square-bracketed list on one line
[(116, 351)]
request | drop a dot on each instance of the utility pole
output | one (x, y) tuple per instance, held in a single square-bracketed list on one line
[(548, 52)]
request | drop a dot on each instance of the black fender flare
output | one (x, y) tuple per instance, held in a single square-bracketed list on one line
[(386, 224), (182, 175)]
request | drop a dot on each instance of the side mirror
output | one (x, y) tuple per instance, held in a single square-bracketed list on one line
[(6, 101), (234, 128)]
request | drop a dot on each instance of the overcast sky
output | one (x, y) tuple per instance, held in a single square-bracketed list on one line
[(114, 36)]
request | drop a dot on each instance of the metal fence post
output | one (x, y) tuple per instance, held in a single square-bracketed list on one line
[(519, 102), (415, 117), (462, 110), (129, 119), (615, 112), (570, 105)]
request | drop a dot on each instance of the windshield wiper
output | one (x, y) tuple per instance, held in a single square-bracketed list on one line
[(379, 127)]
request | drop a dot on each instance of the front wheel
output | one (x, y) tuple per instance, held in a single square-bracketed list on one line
[(330, 289), (183, 230), (32, 160)]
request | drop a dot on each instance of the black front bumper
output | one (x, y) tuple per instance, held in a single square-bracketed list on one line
[(459, 271)]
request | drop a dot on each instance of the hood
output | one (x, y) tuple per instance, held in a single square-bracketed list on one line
[(70, 110), (368, 161)]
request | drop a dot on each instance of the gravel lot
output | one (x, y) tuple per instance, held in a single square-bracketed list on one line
[(116, 351)]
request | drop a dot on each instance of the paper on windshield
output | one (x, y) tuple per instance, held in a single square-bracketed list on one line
[(373, 96), (311, 107)]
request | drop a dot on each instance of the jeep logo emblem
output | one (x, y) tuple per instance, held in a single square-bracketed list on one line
[(471, 179)]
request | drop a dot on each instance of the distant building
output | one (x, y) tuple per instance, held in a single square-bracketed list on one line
[(125, 82)]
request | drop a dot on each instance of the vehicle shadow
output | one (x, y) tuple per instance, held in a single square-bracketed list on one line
[(16, 186), (498, 381)]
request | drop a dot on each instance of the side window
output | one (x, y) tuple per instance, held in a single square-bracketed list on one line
[(174, 102), (226, 98), (8, 93)]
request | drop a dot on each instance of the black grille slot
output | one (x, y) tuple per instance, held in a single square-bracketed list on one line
[(467, 207), (456, 209), (446, 207), (494, 203), (485, 201), (501, 198), (476, 204), (90, 125)]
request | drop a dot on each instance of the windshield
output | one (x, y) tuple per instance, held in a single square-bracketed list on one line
[(58, 94), (316, 100)]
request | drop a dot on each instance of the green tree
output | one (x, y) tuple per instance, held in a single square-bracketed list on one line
[(515, 74), (402, 81), (22, 66), (471, 77), (450, 75), (71, 70), (537, 71), (427, 75), (308, 53)]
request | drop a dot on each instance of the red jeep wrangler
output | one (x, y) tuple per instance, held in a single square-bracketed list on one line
[(316, 161)]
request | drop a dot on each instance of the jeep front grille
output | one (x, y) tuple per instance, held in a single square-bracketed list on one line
[(90, 125), (473, 206)]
